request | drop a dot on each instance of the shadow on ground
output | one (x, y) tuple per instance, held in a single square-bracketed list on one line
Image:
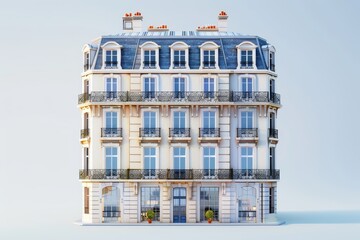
[(326, 217)]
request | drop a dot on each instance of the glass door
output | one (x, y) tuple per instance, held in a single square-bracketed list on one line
[(179, 205)]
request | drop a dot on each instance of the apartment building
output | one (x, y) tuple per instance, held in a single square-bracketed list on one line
[(179, 122)]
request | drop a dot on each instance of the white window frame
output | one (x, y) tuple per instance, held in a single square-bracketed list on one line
[(179, 46), (112, 109), (150, 110), (246, 46), (148, 46), (156, 77), (118, 80), (111, 46), (254, 112), (209, 46), (106, 145), (216, 110), (254, 162), (157, 155), (216, 155), (172, 152)]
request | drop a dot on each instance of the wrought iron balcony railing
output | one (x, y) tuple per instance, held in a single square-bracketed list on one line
[(84, 133), (150, 132), (247, 133), (176, 96), (111, 132), (273, 133), (209, 132), (111, 64), (246, 64), (180, 174), (111, 214), (209, 64), (179, 132), (179, 64), (149, 64)]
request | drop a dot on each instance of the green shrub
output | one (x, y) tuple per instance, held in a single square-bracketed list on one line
[(209, 214), (150, 214)]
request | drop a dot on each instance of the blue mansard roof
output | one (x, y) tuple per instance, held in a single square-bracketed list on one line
[(130, 52)]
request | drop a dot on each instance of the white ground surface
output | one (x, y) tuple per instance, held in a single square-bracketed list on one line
[(300, 225)]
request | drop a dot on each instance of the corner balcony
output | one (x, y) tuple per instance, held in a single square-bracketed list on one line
[(179, 174), (209, 135), (85, 136), (247, 135), (111, 135), (150, 135), (273, 136), (179, 135), (190, 97)]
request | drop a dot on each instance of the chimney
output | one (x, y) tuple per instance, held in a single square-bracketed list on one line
[(132, 22), (222, 21)]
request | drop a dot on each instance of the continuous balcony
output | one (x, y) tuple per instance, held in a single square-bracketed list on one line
[(174, 174), (247, 135), (150, 135), (273, 136), (209, 135), (111, 134), (189, 97), (179, 135)]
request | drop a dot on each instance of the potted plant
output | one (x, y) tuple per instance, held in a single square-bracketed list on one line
[(150, 215), (209, 214)]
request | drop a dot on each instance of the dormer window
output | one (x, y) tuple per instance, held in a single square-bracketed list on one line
[(246, 55), (179, 55), (86, 61), (111, 55), (149, 59), (88, 55), (209, 55), (149, 55)]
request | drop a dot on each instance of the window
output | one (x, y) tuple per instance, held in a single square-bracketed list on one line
[(149, 162), (272, 90), (86, 200), (111, 125), (111, 88), (209, 129), (149, 121), (111, 60), (111, 198), (149, 59), (209, 200), (86, 61), (247, 157), (209, 87), (179, 119), (271, 200), (247, 119), (246, 59), (149, 87), (150, 200), (179, 162), (86, 160), (272, 161), (179, 87), (247, 205), (111, 159), (209, 59), (86, 121), (86, 86), (272, 61), (179, 59), (209, 162)]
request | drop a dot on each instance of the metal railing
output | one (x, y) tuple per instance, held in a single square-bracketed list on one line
[(247, 133), (111, 214), (111, 64), (179, 64), (111, 132), (273, 133), (180, 174), (176, 96), (179, 132), (209, 64), (246, 64), (150, 132), (209, 132), (84, 133), (149, 64)]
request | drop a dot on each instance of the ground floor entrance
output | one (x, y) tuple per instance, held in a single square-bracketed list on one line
[(179, 205)]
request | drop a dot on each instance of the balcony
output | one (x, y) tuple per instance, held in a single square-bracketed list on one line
[(111, 64), (177, 96), (209, 135), (209, 64), (111, 134), (149, 64), (247, 135), (180, 174), (273, 136), (150, 135), (181, 135), (84, 136), (179, 64)]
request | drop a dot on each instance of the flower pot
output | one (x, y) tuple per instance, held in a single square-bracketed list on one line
[(209, 220), (149, 220)]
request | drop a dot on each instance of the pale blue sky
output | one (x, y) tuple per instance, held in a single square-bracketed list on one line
[(318, 48)]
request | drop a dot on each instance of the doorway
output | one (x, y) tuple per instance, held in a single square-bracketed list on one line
[(179, 205)]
